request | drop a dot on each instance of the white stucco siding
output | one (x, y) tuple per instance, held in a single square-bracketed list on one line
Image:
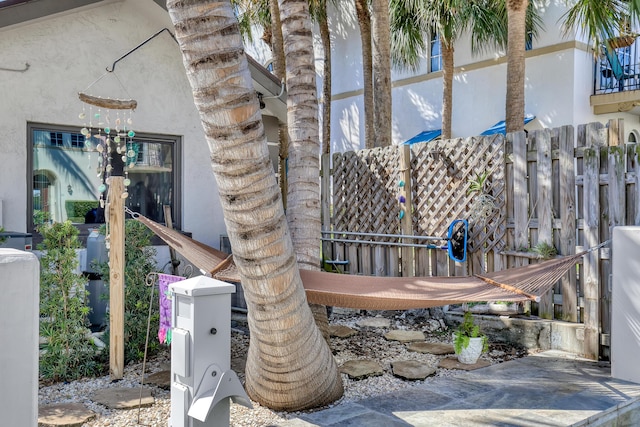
[(66, 54)]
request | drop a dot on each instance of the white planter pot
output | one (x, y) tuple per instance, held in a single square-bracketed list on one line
[(472, 352)]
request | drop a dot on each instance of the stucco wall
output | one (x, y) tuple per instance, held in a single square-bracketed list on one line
[(66, 54)]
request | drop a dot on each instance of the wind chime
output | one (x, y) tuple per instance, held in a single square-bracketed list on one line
[(107, 129)]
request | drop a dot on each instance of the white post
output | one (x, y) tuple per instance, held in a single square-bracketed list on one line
[(19, 317), (625, 305), (201, 378)]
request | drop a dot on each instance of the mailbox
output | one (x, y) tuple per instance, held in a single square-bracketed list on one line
[(202, 381)]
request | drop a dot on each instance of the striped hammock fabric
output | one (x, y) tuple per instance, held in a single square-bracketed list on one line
[(387, 293)]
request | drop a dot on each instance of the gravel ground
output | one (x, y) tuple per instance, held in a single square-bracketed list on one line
[(368, 343)]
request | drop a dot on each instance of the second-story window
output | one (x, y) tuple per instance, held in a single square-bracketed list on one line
[(528, 40), (435, 54)]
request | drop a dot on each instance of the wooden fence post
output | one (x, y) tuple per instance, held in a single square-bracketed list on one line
[(591, 209), (406, 223), (116, 277), (568, 221), (544, 208)]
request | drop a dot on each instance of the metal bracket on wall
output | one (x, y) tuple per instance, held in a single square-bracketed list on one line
[(113, 67), (17, 70)]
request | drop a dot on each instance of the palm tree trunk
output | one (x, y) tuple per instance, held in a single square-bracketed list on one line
[(303, 196), (289, 365), (381, 72), (325, 37), (516, 15), (364, 22), (277, 50), (447, 88)]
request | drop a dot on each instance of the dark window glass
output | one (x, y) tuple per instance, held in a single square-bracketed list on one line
[(435, 55)]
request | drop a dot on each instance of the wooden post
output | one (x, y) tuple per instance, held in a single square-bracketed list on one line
[(116, 277), (545, 225), (591, 209), (568, 221), (406, 223), (520, 197)]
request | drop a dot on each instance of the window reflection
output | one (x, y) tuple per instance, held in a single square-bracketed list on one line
[(65, 184)]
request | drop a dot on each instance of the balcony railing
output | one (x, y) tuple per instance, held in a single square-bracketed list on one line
[(617, 69)]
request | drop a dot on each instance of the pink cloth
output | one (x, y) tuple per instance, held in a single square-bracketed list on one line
[(164, 331)]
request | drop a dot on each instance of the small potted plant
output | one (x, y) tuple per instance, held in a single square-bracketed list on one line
[(468, 342)]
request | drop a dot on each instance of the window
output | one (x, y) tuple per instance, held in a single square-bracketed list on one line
[(528, 40), (435, 55), (63, 179), (55, 139)]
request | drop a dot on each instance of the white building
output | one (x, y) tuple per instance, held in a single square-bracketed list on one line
[(54, 49), (559, 83)]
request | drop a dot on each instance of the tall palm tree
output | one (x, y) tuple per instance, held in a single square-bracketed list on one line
[(599, 20), (381, 42), (516, 16), (449, 19), (364, 23), (318, 10), (289, 364)]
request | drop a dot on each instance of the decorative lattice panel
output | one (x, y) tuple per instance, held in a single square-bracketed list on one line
[(442, 173), (365, 191)]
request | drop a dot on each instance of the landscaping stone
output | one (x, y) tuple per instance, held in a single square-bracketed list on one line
[(412, 369), (160, 379), (360, 369), (431, 348), (64, 415), (122, 397), (341, 331), (404, 336), (452, 363), (374, 322)]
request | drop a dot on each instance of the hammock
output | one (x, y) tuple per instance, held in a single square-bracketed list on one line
[(387, 293)]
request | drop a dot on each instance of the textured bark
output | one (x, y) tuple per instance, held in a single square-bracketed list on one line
[(289, 365), (381, 31), (325, 37), (277, 50), (447, 89), (516, 15), (303, 196), (364, 22)]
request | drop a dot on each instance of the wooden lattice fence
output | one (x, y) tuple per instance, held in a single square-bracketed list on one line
[(560, 188)]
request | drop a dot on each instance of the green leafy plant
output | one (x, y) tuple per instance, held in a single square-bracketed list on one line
[(483, 204), (40, 217), (544, 250), (68, 351), (466, 330), (2, 238), (139, 259)]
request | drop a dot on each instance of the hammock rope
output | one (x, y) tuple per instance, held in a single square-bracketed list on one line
[(386, 293)]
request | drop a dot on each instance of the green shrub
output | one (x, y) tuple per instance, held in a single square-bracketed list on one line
[(2, 238), (139, 262), (69, 352)]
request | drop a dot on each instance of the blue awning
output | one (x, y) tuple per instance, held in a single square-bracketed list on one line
[(426, 136), (501, 126)]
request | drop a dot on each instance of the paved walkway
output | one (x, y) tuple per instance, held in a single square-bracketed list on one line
[(548, 389)]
